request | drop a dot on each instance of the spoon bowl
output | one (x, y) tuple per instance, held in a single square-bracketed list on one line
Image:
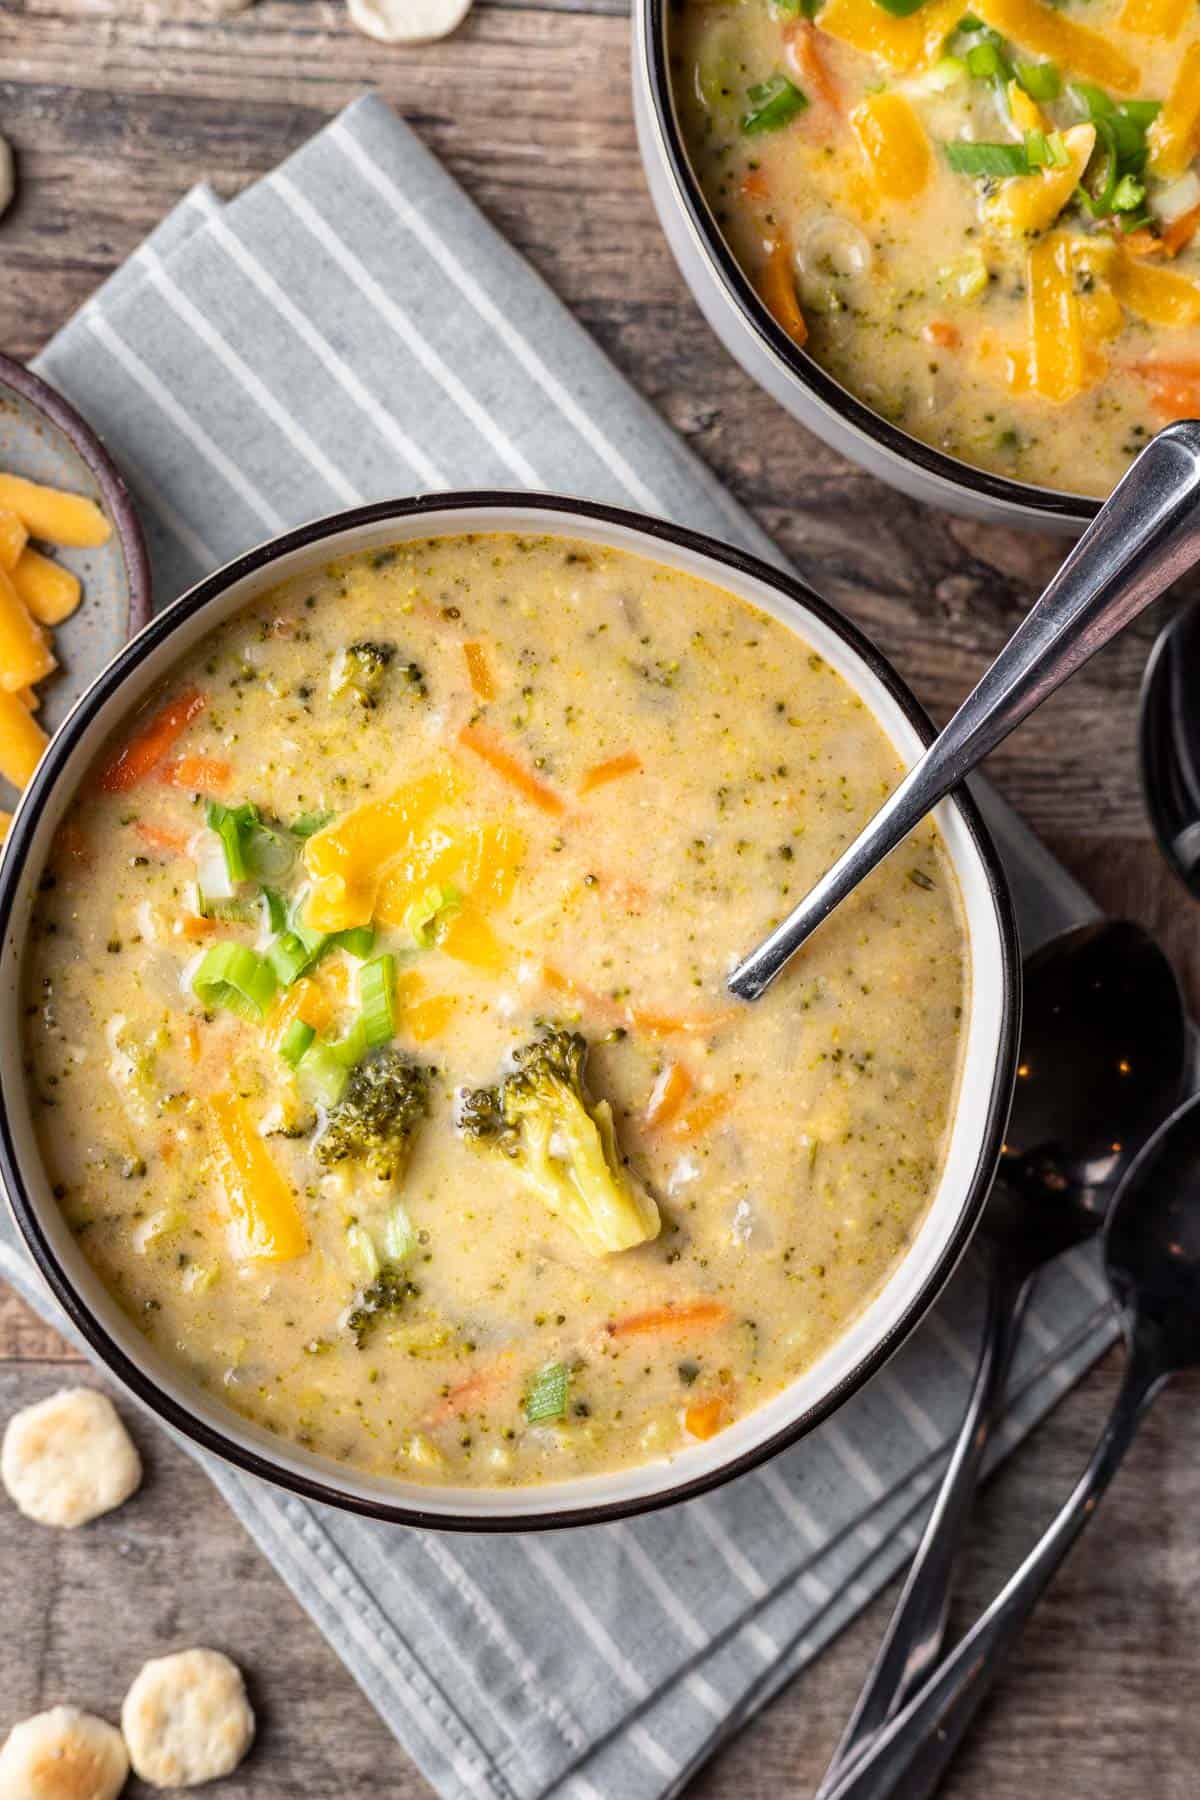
[(1152, 1246), (1104, 1055)]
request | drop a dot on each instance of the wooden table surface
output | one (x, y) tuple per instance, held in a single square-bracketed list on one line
[(114, 110)]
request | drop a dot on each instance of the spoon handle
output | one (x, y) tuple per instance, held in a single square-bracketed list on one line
[(912, 1753), (1146, 534), (918, 1625)]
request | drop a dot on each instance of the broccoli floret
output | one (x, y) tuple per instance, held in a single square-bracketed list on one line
[(562, 1144), (377, 1117), (362, 669), (385, 1295)]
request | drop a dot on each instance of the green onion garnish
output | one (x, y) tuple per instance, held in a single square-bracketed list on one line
[(236, 978), (900, 9), (1041, 81), (986, 61), (427, 917), (359, 940), (377, 999), (229, 822), (323, 1075), (987, 159), (1046, 150), (1128, 194), (289, 956), (309, 823), (218, 906), (276, 907), (547, 1394), (772, 104), (269, 854), (296, 1040)]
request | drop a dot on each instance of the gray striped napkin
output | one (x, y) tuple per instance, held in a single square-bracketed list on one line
[(347, 329)]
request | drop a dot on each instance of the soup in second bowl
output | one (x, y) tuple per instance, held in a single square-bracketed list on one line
[(377, 1025), (982, 220)]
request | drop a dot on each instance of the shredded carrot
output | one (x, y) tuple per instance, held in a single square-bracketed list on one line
[(460, 1399), (192, 926), (1174, 387), (486, 745), (668, 1095), (198, 774), (143, 753), (628, 763), (779, 291), (942, 333), (694, 1315), (704, 1418), (160, 838), (656, 1023), (702, 1116), (71, 842), (1169, 242), (191, 1038), (480, 675), (755, 185), (804, 52)]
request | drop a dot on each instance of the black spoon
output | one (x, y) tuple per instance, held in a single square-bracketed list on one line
[(1152, 1255), (1104, 1058), (1169, 743)]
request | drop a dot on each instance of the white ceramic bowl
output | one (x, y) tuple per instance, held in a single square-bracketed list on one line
[(981, 1111), (747, 330)]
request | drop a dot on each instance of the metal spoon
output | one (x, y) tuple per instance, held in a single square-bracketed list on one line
[(1144, 536), (1169, 742), (1152, 1253), (1104, 1058)]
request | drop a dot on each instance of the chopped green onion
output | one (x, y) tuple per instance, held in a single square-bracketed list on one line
[(358, 940), (1041, 81), (969, 22), (289, 956), (309, 823), (427, 917), (377, 999), (296, 1040), (219, 906), (986, 159), (772, 104), (399, 1236), (229, 822), (1046, 150), (987, 62), (269, 855), (323, 1074), (1128, 194), (900, 9), (276, 907), (946, 73), (1093, 100), (547, 1394), (236, 978), (1098, 198), (1141, 113)]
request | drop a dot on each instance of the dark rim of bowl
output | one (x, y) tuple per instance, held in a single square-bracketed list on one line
[(117, 498), (558, 510), (1076, 509)]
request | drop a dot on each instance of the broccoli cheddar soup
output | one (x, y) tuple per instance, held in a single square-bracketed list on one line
[(981, 219), (377, 1029)]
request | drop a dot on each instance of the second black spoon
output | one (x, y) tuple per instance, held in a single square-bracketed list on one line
[(1104, 1055)]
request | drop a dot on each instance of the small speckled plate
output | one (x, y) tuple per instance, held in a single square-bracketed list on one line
[(44, 439)]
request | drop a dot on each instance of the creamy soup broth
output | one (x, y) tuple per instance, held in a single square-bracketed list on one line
[(562, 788), (1014, 279)]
